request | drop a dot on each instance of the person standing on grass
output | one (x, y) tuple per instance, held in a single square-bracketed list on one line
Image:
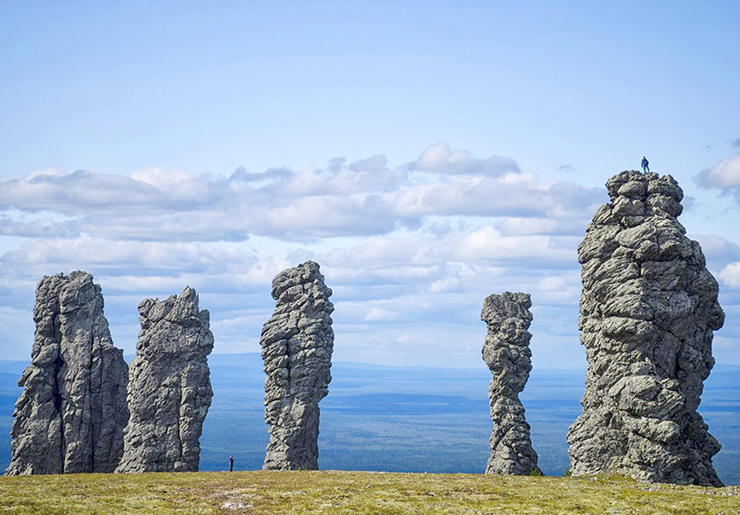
[(645, 165), (231, 464)]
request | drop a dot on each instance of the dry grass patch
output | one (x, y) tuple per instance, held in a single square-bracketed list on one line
[(356, 493)]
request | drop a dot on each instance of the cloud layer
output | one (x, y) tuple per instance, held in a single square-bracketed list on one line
[(410, 251), (362, 198)]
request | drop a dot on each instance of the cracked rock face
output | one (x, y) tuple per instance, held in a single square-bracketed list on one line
[(169, 386), (507, 354), (72, 411), (297, 344), (648, 309)]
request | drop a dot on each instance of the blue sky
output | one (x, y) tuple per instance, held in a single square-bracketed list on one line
[(427, 154)]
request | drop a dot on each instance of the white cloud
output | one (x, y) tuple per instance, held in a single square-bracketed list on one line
[(724, 175), (164, 179), (486, 196), (730, 275), (519, 226), (440, 158), (410, 251), (444, 285), (375, 314), (718, 251), (366, 197), (39, 227)]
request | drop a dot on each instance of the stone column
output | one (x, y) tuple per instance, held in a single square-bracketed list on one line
[(297, 344), (648, 309), (169, 386), (506, 352), (72, 411)]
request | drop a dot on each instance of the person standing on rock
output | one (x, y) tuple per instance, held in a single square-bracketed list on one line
[(645, 165), (231, 464)]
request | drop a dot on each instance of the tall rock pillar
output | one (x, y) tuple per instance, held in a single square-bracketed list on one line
[(506, 352), (169, 386), (297, 344), (72, 411), (648, 309)]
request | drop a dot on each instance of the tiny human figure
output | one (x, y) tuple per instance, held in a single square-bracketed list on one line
[(231, 464), (645, 165)]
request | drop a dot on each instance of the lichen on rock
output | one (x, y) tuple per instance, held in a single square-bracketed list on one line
[(648, 309), (297, 344), (169, 389), (507, 354), (71, 413)]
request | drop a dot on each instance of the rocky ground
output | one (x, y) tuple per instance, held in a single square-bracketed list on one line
[(331, 492)]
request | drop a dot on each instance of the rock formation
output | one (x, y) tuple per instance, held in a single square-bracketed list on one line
[(506, 352), (169, 389), (648, 309), (297, 344), (72, 411)]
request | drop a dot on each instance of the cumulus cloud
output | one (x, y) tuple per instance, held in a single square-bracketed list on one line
[(410, 251), (38, 228), (724, 175), (718, 251), (519, 226), (730, 275), (363, 198), (485, 196), (376, 314), (440, 158)]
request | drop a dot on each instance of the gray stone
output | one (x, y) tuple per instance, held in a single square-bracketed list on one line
[(72, 411), (169, 386), (648, 309), (297, 344), (507, 354)]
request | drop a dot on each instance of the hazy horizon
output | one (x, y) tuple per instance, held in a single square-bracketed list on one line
[(411, 419)]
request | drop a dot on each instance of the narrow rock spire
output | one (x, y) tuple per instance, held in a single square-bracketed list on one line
[(297, 344), (507, 354), (72, 411), (648, 309), (169, 386)]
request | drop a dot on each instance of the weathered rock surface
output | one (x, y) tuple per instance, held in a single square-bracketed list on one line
[(648, 309), (297, 344), (169, 389), (506, 352), (72, 411)]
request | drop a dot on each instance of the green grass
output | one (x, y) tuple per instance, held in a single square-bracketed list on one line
[(331, 492)]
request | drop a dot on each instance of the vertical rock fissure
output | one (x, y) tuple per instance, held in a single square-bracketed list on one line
[(57, 399)]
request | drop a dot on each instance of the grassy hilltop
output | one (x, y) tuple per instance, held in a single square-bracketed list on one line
[(331, 492)]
